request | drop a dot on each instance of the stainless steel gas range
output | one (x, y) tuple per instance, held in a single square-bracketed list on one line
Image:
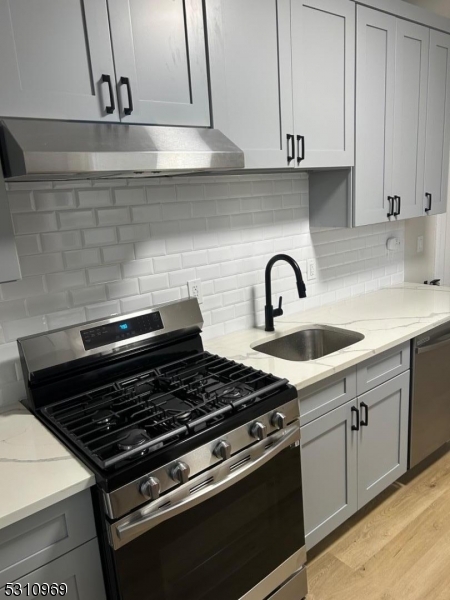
[(196, 457)]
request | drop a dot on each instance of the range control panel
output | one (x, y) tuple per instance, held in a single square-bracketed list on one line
[(121, 330)]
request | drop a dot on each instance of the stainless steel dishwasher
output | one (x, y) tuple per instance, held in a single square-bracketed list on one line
[(430, 402)]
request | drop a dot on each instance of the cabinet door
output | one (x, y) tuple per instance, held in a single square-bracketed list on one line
[(329, 468), (375, 81), (80, 570), (249, 43), (438, 124), (323, 73), (383, 437), (160, 60), (410, 115), (53, 57)]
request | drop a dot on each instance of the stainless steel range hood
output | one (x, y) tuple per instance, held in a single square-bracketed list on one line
[(36, 150)]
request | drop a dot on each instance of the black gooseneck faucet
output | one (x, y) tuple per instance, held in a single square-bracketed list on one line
[(277, 312)]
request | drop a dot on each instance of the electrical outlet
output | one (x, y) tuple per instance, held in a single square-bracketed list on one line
[(195, 289), (420, 244), (311, 269)]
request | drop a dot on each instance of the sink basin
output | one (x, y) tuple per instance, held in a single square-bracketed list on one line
[(310, 343)]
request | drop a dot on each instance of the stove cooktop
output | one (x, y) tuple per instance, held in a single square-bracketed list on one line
[(120, 423)]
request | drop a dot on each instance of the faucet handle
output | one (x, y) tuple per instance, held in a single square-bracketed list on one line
[(278, 311)]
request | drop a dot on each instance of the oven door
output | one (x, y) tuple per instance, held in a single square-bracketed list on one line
[(236, 531)]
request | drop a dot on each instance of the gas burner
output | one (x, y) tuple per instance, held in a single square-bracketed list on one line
[(104, 417), (234, 392), (133, 439), (180, 410)]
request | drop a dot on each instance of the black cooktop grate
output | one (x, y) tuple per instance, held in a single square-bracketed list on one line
[(136, 416)]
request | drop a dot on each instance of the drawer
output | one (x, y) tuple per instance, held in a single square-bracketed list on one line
[(382, 367), (44, 536), (326, 395), (80, 570)]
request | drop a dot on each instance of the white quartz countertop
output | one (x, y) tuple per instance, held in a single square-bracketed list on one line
[(36, 470), (386, 318)]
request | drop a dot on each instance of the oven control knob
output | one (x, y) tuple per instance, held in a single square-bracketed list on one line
[(278, 420), (258, 431), (150, 488), (223, 450), (180, 472)]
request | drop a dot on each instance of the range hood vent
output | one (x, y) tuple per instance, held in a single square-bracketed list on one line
[(36, 150)]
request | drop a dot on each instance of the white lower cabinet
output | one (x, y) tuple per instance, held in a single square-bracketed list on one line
[(351, 454), (79, 570), (57, 545)]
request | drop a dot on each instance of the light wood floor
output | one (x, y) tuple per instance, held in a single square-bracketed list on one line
[(397, 548)]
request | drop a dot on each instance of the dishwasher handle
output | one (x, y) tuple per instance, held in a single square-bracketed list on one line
[(441, 342)]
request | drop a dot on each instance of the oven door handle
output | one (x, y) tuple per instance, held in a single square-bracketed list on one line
[(131, 527)]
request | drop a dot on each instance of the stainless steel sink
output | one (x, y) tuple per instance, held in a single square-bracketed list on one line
[(310, 344)]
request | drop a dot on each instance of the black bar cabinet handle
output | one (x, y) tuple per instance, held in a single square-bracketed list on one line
[(364, 422), (399, 205), (430, 200), (126, 81), (300, 157), (391, 206), (109, 109), (355, 427), (291, 156)]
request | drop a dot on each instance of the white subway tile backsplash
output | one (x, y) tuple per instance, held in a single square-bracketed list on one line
[(122, 246), (133, 233), (120, 253), (28, 244), (66, 280), (104, 274), (113, 216), (41, 263), (103, 310), (93, 198), (88, 295), (153, 283), (76, 219), (161, 193), (130, 196), (121, 289), (29, 286), (16, 329), (164, 296), (20, 202), (34, 223), (53, 200), (136, 268), (162, 264), (136, 303), (61, 240), (99, 236), (173, 211), (76, 259), (12, 309), (47, 303)]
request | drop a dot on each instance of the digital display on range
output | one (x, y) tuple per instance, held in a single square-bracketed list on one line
[(103, 335)]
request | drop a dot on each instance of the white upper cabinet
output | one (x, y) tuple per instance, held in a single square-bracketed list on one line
[(251, 86), (410, 117), (323, 73), (375, 93), (282, 79), (56, 60), (160, 59), (438, 125)]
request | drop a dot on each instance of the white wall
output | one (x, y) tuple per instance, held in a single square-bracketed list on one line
[(90, 251)]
